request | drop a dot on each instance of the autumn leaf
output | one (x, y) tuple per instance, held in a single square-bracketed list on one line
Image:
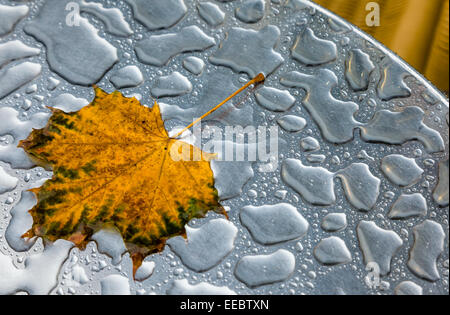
[(113, 166)]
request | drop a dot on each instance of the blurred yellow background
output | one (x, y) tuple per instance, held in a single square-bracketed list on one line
[(417, 30)]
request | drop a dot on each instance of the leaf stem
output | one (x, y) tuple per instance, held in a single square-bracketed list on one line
[(258, 79)]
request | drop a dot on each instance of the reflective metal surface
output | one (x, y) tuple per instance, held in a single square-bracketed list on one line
[(356, 203)]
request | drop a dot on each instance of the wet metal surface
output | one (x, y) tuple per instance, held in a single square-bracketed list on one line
[(357, 202)]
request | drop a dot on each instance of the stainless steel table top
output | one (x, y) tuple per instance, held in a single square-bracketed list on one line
[(356, 201)]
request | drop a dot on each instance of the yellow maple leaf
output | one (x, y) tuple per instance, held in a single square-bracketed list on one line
[(114, 165)]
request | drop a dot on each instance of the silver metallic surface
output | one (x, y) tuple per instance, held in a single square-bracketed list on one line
[(355, 101)]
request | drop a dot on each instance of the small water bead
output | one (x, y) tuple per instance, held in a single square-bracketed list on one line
[(211, 13), (389, 195), (157, 50), (272, 224), (195, 66), (407, 206), (299, 247), (252, 193), (445, 264), (281, 194), (332, 251), (424, 253), (401, 170), (26, 104), (378, 245), (335, 160), (320, 103), (251, 11), (418, 153), (129, 76), (316, 158), (216, 237), (345, 41), (334, 222), (265, 269), (408, 125), (310, 144), (31, 89), (258, 43)]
